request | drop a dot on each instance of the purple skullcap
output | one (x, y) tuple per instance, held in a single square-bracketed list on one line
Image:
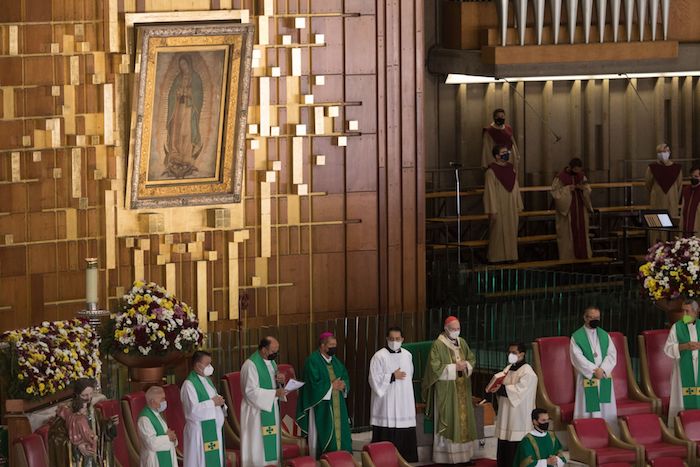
[(325, 335)]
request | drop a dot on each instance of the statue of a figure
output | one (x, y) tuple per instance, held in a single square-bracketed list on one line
[(76, 437)]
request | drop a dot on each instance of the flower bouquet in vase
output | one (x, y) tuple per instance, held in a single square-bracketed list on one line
[(151, 330), (671, 274)]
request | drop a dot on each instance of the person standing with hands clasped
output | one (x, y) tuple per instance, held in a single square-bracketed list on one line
[(393, 415)]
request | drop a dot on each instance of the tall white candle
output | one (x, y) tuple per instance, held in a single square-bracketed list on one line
[(91, 281)]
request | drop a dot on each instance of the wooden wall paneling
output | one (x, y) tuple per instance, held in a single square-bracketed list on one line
[(675, 122), (658, 108), (686, 119)]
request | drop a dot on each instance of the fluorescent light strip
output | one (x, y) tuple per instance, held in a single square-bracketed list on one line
[(473, 79)]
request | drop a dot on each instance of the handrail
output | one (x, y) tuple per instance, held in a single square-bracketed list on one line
[(532, 189)]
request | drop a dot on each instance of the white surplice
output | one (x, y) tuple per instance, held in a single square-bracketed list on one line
[(254, 400), (585, 368), (195, 413), (675, 403), (514, 412), (152, 443), (393, 403)]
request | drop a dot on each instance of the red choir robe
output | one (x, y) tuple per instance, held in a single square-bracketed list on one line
[(572, 210), (690, 219)]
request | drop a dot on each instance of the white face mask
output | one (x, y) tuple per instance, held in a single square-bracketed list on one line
[(394, 345), (663, 156), (512, 358), (208, 370), (452, 334), (163, 405)]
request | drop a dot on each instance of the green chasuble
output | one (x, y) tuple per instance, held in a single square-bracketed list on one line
[(596, 391), (330, 416), (689, 384), (451, 401), (533, 448)]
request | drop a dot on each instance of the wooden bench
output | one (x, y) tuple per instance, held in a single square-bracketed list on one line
[(484, 243), (528, 214), (540, 290), (530, 189), (548, 263)]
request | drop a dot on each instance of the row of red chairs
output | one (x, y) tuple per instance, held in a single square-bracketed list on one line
[(556, 387), (644, 438)]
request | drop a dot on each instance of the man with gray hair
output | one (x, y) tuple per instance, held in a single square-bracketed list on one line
[(682, 346), (157, 440), (594, 357)]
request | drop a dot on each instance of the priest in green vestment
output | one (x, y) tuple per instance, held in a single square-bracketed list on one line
[(683, 347), (540, 447), (447, 392), (322, 413)]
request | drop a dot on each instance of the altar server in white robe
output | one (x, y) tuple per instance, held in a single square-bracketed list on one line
[(516, 401), (393, 416), (204, 415), (682, 346), (262, 388), (158, 442), (594, 357)]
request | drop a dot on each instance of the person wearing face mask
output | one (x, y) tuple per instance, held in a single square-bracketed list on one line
[(322, 413), (690, 202), (262, 388), (593, 356), (158, 442), (664, 181), (682, 346), (447, 392), (516, 399), (393, 414), (572, 203), (540, 447), (498, 133), (204, 415), (502, 202)]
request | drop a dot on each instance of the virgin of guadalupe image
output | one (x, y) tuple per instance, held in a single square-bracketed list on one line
[(184, 141)]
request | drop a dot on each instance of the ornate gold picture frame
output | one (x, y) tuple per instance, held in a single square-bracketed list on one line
[(188, 128)]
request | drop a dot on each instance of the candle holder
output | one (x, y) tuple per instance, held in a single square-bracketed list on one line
[(92, 313)]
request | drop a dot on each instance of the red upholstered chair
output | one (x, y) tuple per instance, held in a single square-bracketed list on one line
[(382, 454), (592, 443), (105, 410), (233, 394), (649, 431), (30, 452), (630, 399), (174, 415), (556, 391), (688, 426), (132, 405), (338, 459), (43, 431), (655, 367), (306, 461)]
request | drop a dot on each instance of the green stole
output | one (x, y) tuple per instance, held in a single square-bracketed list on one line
[(268, 420), (164, 457), (691, 391), (210, 435), (596, 391)]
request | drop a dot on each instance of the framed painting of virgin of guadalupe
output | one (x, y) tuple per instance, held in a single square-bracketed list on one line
[(188, 128)]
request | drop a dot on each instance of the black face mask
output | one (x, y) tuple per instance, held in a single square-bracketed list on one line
[(694, 181), (594, 323), (499, 121), (543, 426), (272, 356), (331, 351)]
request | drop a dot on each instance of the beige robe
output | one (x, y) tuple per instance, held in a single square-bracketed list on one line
[(503, 228), (669, 201), (562, 203)]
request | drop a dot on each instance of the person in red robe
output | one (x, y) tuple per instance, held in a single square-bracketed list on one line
[(664, 181), (572, 202), (502, 203), (501, 134), (690, 199)]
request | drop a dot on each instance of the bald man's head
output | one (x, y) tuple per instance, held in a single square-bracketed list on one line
[(269, 346), (154, 396)]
